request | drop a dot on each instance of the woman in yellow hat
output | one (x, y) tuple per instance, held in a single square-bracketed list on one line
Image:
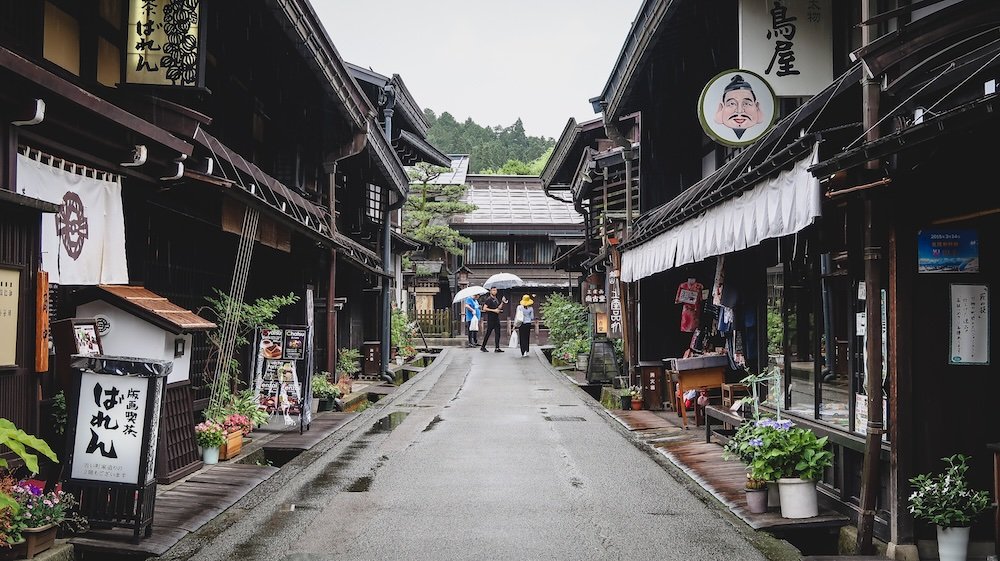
[(523, 319)]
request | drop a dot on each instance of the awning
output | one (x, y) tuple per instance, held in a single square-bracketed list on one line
[(404, 243), (358, 254), (773, 208), (412, 149), (27, 202), (385, 159)]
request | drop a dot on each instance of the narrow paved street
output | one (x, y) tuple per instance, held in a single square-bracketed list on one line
[(485, 456)]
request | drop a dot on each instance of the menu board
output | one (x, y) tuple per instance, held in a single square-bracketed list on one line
[(970, 324), (294, 344), (280, 363)]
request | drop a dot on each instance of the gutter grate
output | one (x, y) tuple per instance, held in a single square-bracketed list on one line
[(563, 418)]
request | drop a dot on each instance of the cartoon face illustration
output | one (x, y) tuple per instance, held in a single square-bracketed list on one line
[(739, 109)]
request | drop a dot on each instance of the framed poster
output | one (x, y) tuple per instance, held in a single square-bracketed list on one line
[(87, 341), (947, 251), (969, 325), (10, 285)]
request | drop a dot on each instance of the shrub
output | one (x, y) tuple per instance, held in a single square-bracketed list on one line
[(323, 388), (348, 361), (565, 319), (210, 434), (945, 499)]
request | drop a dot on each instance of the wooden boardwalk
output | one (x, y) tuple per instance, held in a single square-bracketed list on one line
[(178, 512), (322, 425)]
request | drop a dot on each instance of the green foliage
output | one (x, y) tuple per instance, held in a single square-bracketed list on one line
[(565, 319), (20, 442), (244, 402), (568, 350), (774, 331), (428, 208), (210, 434), (489, 148), (400, 329), (348, 361), (517, 167), (945, 499), (59, 412), (774, 449), (323, 388)]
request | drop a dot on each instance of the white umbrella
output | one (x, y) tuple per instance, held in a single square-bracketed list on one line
[(503, 280), (468, 291)]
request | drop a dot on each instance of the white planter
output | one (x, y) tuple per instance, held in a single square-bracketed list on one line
[(400, 360), (581, 361), (798, 498), (773, 498), (210, 455), (953, 543)]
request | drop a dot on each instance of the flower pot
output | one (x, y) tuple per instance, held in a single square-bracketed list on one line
[(757, 500), (400, 360), (581, 361), (37, 540), (232, 446), (773, 497), (626, 402), (798, 497), (210, 455), (325, 405), (636, 404), (16, 551), (953, 543)]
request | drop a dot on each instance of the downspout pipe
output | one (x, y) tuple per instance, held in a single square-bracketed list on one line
[(387, 100)]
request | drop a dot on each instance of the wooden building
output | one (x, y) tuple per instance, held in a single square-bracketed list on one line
[(830, 220)]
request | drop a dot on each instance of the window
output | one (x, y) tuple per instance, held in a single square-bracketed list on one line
[(487, 252), (534, 253), (373, 203), (61, 43)]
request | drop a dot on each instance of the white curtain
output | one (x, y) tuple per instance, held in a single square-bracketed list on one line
[(777, 207), (84, 243)]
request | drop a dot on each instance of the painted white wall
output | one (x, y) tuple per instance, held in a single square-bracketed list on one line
[(132, 336)]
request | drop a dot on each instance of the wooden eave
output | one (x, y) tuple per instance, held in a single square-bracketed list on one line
[(149, 306), (50, 83)]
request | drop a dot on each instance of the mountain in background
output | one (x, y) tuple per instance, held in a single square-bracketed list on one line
[(496, 150)]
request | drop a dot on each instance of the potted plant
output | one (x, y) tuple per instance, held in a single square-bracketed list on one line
[(40, 514), (210, 435), (626, 396), (947, 501), (803, 459), (635, 394), (236, 426), (325, 391), (755, 444)]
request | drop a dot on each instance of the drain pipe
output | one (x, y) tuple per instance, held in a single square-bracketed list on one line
[(388, 101)]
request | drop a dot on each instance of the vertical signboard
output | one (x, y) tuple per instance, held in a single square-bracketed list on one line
[(110, 420), (164, 44), (616, 326), (970, 324), (789, 43), (10, 282)]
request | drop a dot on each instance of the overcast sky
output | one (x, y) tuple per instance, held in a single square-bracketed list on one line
[(493, 61)]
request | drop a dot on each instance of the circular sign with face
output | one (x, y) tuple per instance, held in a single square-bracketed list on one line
[(737, 107)]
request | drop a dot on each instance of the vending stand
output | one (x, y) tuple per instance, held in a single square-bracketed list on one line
[(114, 411)]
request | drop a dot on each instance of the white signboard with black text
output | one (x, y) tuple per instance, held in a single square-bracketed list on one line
[(789, 43), (109, 427), (970, 324)]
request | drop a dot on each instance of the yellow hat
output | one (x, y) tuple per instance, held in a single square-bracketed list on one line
[(526, 300)]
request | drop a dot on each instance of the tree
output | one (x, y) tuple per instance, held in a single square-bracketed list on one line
[(489, 148), (430, 205)]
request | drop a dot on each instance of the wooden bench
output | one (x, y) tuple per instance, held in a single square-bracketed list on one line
[(722, 414)]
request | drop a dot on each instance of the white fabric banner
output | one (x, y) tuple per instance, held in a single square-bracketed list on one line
[(777, 207), (84, 243)]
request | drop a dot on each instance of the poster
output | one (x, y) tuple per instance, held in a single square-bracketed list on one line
[(295, 344), (10, 283), (271, 343), (970, 324), (110, 421), (861, 415), (280, 363), (87, 343), (947, 251)]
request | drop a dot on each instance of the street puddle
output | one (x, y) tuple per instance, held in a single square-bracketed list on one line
[(388, 423), (360, 485)]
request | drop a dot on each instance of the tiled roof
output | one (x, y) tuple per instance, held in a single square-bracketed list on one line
[(513, 199), (459, 169)]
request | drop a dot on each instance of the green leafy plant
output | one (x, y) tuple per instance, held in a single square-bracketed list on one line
[(245, 402), (565, 319), (400, 330), (59, 412), (945, 499), (568, 350), (348, 361), (772, 449), (22, 444), (323, 388)]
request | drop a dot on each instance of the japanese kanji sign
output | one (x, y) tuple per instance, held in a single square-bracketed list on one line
[(10, 283), (970, 324), (789, 43), (110, 421), (163, 44), (615, 318)]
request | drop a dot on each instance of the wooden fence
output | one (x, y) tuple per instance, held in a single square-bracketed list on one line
[(435, 323)]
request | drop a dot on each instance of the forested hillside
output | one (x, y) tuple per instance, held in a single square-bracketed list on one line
[(505, 150)]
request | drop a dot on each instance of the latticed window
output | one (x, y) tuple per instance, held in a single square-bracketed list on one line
[(534, 253), (373, 203), (487, 252)]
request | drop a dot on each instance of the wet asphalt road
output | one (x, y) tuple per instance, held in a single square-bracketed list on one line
[(483, 456)]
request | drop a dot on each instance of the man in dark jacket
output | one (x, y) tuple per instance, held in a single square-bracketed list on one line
[(491, 311)]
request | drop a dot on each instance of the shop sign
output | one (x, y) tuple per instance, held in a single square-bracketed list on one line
[(861, 415), (737, 107), (615, 318), (947, 251), (970, 324), (164, 45), (110, 423), (10, 284), (789, 42)]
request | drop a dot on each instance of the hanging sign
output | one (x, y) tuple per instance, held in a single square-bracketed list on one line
[(616, 326), (970, 324), (164, 44), (10, 283), (789, 42), (42, 322), (737, 107), (947, 251)]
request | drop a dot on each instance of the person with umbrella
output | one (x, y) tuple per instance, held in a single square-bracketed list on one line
[(472, 315), (491, 310)]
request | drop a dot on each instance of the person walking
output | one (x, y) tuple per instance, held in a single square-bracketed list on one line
[(472, 313), (491, 310), (524, 319)]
